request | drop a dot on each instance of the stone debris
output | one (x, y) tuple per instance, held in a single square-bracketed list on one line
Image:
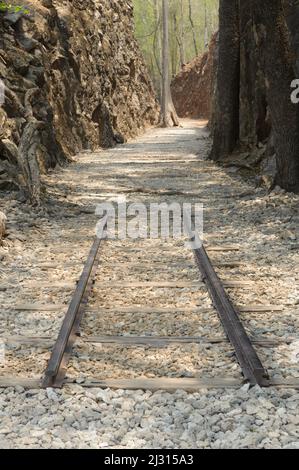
[(215, 419)]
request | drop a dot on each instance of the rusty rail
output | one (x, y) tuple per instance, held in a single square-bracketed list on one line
[(251, 365), (56, 368)]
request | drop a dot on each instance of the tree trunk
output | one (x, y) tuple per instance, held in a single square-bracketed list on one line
[(193, 28), (182, 30), (169, 115), (226, 119), (253, 85), (179, 40), (279, 71), (206, 37), (253, 123), (173, 46)]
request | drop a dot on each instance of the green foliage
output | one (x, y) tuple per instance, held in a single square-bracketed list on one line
[(191, 25), (8, 7)]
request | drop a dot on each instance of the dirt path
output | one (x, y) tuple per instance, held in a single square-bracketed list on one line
[(43, 256)]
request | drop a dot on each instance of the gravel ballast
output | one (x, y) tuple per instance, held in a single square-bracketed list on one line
[(45, 248)]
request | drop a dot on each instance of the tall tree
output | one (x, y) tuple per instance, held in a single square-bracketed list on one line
[(193, 28), (226, 117), (279, 61), (182, 31), (178, 36), (258, 52), (169, 115), (206, 39), (157, 48)]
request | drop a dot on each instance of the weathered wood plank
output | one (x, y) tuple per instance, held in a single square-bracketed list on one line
[(223, 248), (45, 342), (34, 383), (153, 265), (171, 284), (236, 284), (48, 285), (150, 310), (154, 341), (260, 308), (145, 285), (167, 384), (39, 307), (131, 285), (163, 383), (173, 310), (143, 309), (285, 383), (228, 264), (56, 265), (174, 249), (167, 340)]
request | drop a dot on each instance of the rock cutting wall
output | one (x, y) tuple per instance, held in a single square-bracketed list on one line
[(74, 79), (192, 88)]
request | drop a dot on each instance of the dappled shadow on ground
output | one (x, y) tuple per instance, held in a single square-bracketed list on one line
[(263, 226)]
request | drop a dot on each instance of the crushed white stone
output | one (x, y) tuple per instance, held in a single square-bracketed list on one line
[(93, 418)]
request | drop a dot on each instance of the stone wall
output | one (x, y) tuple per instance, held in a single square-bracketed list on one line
[(74, 79)]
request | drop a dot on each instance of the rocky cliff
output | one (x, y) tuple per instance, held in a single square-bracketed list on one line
[(192, 88), (74, 79)]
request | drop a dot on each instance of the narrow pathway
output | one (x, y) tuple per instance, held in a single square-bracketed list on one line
[(252, 238)]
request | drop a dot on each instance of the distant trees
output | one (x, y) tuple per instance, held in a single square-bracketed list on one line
[(191, 25)]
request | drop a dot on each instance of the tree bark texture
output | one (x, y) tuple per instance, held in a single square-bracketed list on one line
[(226, 120), (258, 59)]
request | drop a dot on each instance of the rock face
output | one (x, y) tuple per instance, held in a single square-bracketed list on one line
[(192, 88), (2, 225), (74, 79)]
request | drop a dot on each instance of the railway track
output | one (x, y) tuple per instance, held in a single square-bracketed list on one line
[(244, 347), (252, 368), (90, 303)]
